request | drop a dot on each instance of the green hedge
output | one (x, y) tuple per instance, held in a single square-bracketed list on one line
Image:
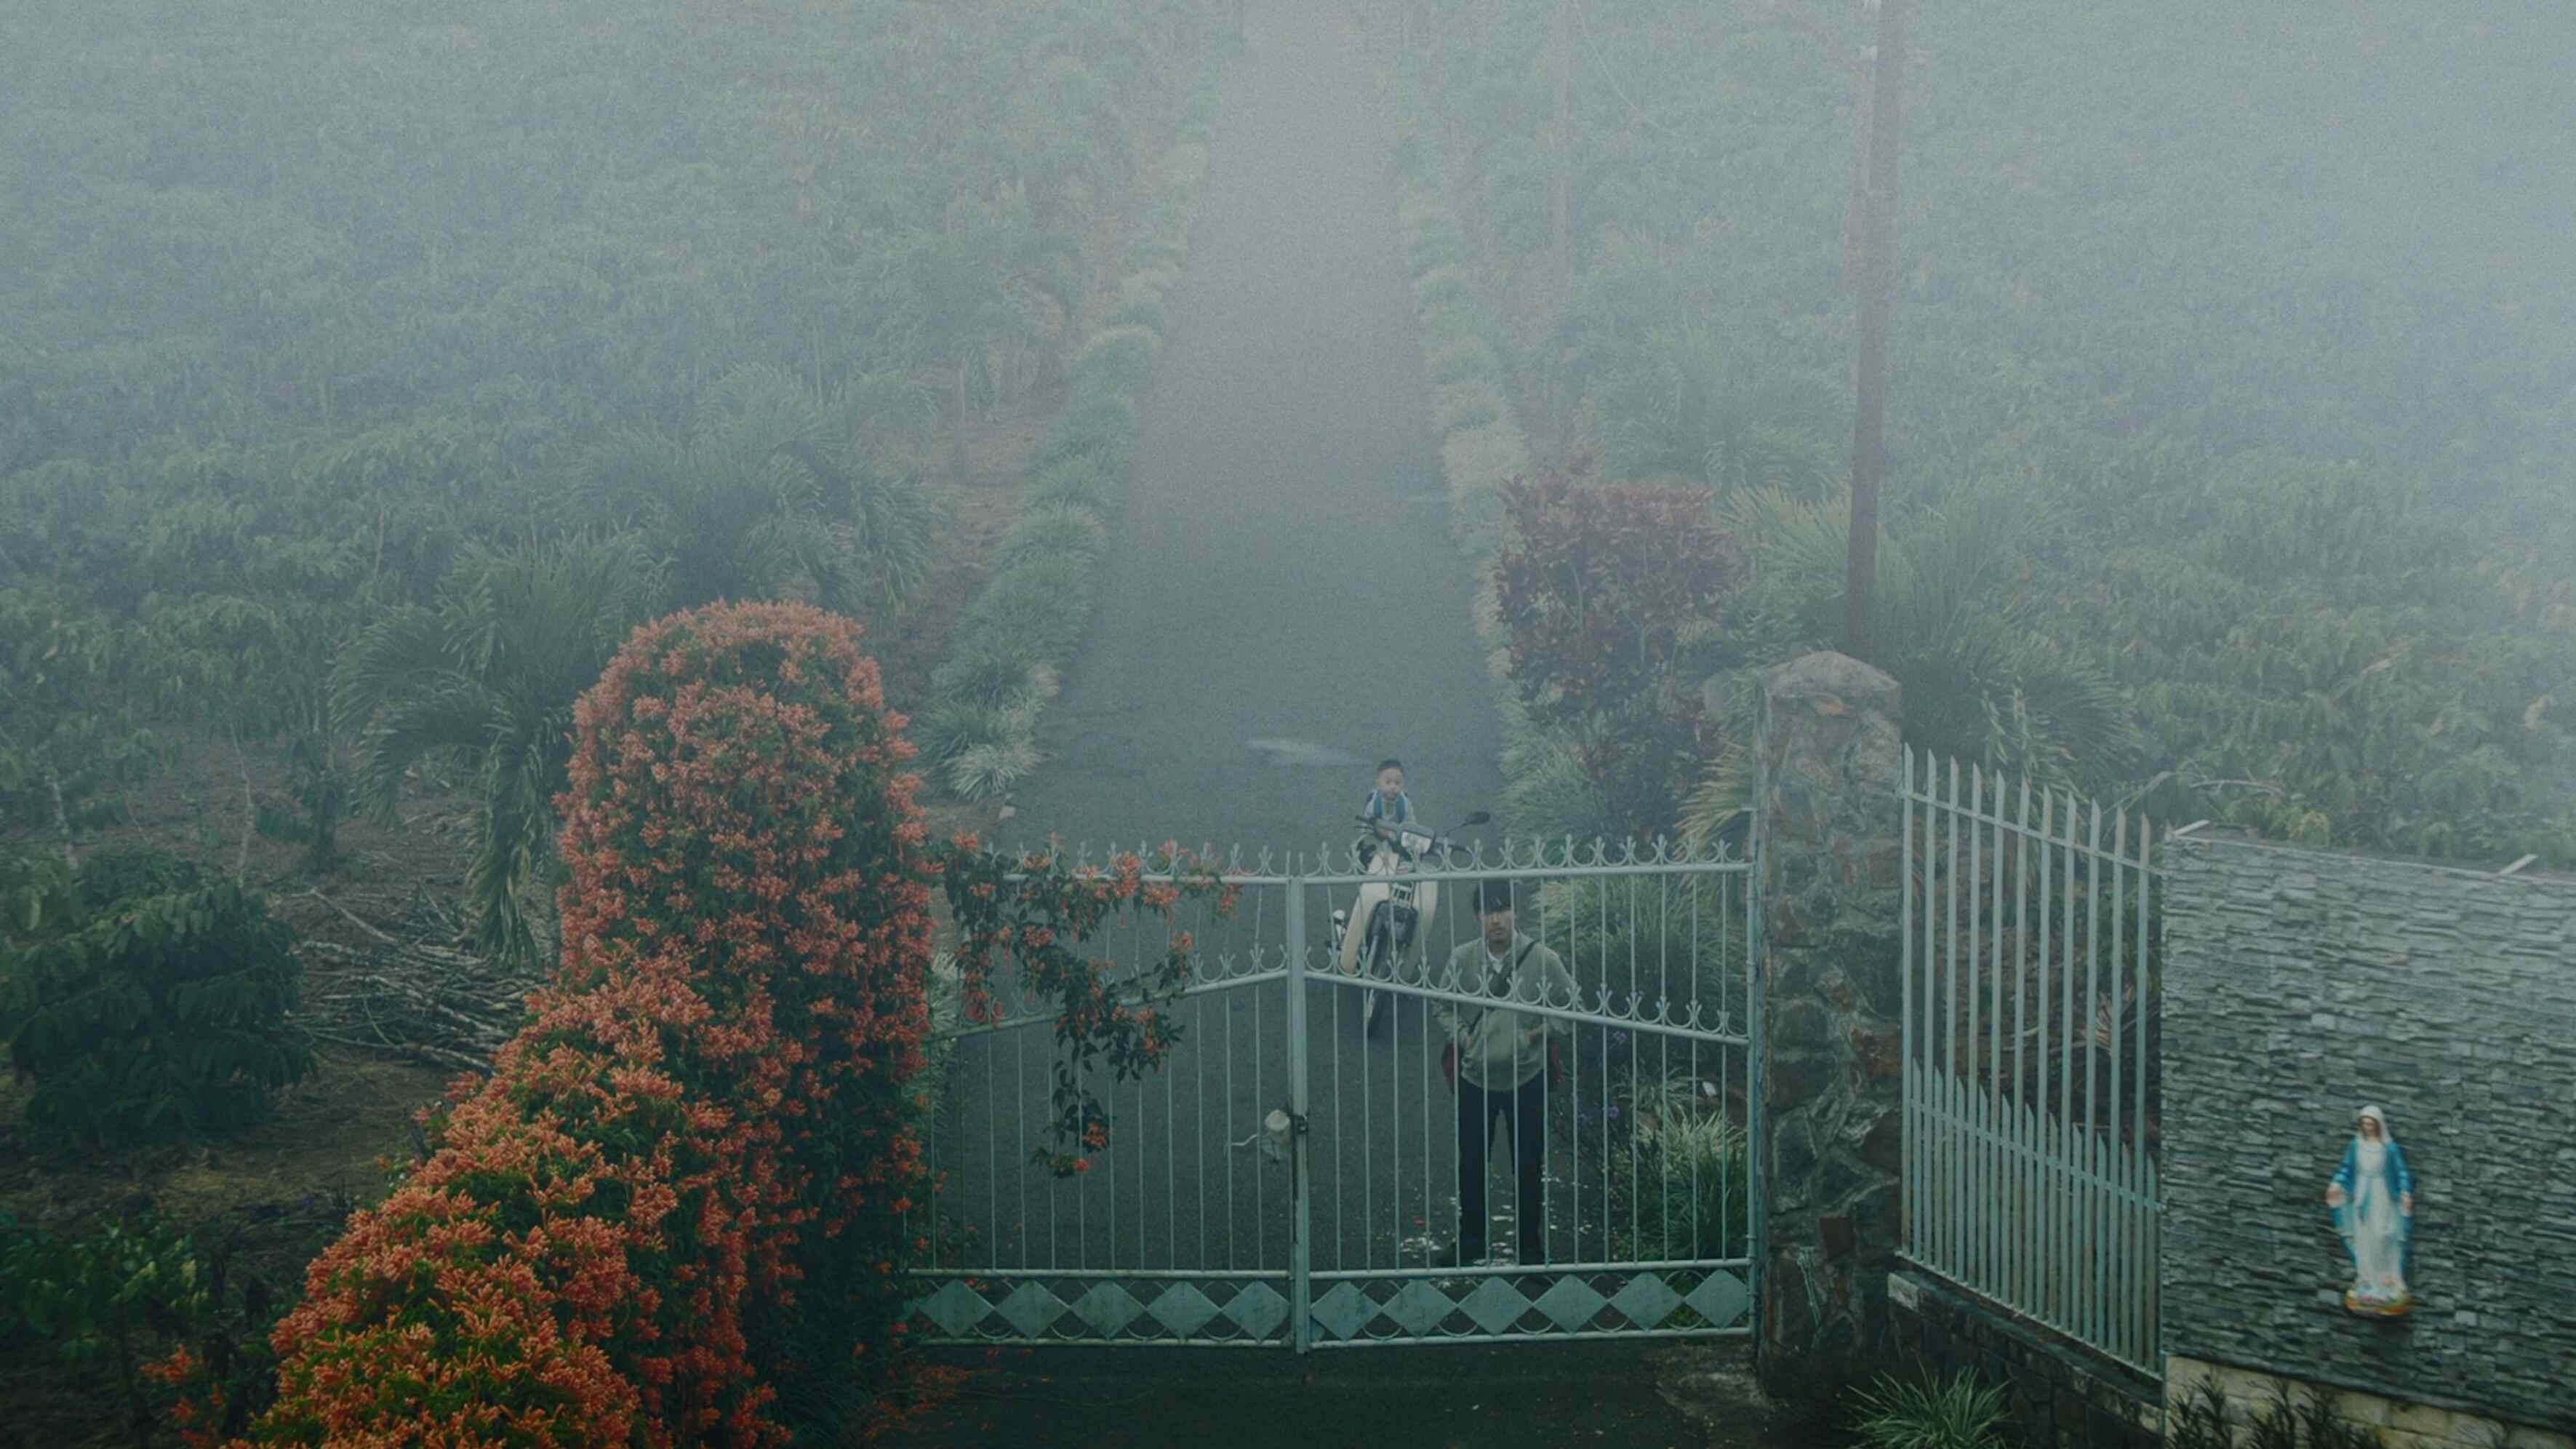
[(1101, 427), (950, 729), (1054, 530), (155, 1016), (1115, 362), (978, 735), (1081, 480), (1482, 447), (990, 669), (1043, 600)]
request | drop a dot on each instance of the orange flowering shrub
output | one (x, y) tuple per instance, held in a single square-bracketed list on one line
[(1029, 914), (673, 1215)]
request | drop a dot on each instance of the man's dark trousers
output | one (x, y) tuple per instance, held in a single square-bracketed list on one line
[(1525, 1109)]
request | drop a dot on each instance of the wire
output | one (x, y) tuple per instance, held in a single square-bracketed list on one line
[(1606, 79)]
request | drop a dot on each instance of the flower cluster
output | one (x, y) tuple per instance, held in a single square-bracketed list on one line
[(674, 1214), (1025, 917)]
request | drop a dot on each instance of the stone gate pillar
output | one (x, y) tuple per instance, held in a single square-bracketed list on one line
[(1826, 772)]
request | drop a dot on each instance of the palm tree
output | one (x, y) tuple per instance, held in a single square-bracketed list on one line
[(488, 676), (1952, 621), (1695, 405), (777, 492)]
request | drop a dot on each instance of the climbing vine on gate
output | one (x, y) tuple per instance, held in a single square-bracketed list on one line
[(1033, 913)]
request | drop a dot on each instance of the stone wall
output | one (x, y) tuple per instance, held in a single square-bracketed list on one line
[(2299, 985), (2056, 1395), (2398, 1423), (1831, 863)]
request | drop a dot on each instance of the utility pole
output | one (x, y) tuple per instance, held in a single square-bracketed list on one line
[(1878, 274)]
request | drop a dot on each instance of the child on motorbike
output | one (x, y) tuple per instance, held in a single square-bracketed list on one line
[(1387, 804)]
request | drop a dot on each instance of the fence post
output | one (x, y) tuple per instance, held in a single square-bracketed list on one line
[(1828, 1068), (1301, 1328)]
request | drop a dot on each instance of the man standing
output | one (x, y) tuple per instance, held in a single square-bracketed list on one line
[(1502, 1058)]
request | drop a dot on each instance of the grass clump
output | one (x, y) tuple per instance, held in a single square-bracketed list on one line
[(1043, 601), (988, 770), (1054, 530), (995, 670), (1926, 1413)]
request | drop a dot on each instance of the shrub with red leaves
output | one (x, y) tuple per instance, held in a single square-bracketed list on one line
[(674, 1214), (1610, 592)]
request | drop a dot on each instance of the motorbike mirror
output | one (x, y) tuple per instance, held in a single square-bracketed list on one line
[(1479, 818)]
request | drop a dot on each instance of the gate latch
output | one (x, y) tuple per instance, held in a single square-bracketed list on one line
[(1282, 1124), (1277, 1130)]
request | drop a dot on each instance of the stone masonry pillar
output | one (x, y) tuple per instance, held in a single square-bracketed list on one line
[(1827, 762)]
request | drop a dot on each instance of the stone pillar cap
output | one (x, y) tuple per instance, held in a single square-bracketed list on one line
[(1828, 675)]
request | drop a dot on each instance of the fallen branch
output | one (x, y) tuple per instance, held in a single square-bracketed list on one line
[(428, 1003), (316, 893), (424, 1053)]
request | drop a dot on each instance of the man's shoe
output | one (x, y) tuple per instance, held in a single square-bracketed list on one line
[(1449, 1257)]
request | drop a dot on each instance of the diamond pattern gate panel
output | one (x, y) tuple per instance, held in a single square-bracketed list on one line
[(1645, 1199), (1178, 1232), (1201, 1225)]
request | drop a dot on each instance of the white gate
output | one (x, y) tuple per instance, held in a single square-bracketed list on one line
[(2030, 1007), (1201, 1225)]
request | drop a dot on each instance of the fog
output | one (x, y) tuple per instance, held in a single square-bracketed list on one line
[(1200, 401)]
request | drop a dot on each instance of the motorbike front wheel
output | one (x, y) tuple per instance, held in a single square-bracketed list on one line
[(1373, 1006)]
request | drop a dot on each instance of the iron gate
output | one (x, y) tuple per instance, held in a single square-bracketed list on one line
[(1283, 1179), (2030, 1074)]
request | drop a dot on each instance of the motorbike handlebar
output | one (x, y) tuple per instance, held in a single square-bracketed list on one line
[(1438, 841)]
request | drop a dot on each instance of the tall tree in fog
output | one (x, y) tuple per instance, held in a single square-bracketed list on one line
[(69, 722), (259, 605), (487, 678)]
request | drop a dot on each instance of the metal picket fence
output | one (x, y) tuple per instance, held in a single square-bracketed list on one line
[(2031, 974)]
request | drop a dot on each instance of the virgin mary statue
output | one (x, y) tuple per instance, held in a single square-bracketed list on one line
[(2373, 1199)]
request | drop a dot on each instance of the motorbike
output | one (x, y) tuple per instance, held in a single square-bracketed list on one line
[(1390, 912)]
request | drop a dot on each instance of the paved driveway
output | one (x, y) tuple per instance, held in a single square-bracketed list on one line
[(1283, 606)]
